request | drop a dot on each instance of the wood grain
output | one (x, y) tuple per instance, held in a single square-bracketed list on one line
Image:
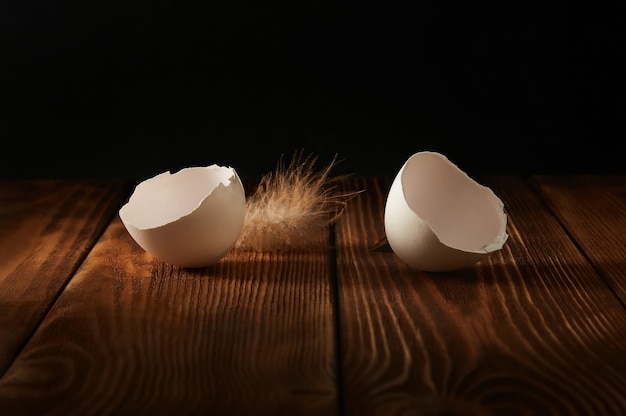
[(593, 210), (91, 324), (252, 334), (533, 329), (46, 230)]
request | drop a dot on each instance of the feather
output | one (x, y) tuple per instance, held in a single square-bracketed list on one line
[(290, 203)]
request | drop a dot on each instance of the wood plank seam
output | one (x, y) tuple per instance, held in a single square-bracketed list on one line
[(535, 189), (336, 305)]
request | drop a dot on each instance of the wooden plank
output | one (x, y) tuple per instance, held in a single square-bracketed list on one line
[(46, 230), (252, 334), (593, 210), (532, 329)]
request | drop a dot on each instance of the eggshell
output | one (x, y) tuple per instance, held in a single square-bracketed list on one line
[(439, 219), (191, 218)]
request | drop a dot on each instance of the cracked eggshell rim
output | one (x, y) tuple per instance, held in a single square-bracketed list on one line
[(439, 219), (191, 218)]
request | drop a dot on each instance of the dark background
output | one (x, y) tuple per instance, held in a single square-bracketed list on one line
[(134, 88)]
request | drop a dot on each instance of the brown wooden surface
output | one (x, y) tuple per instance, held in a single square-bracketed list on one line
[(91, 324), (46, 230), (593, 210)]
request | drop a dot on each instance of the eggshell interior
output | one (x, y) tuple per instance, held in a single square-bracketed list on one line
[(437, 218), (191, 218)]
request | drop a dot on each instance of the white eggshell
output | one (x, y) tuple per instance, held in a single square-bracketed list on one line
[(439, 219), (191, 218)]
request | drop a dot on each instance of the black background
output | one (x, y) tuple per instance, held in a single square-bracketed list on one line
[(134, 88)]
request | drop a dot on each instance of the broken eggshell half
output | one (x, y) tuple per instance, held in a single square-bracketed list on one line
[(439, 219), (191, 218)]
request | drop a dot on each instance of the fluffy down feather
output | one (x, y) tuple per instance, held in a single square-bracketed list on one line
[(290, 203)]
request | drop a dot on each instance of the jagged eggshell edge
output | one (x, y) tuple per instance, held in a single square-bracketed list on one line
[(191, 218), (439, 219)]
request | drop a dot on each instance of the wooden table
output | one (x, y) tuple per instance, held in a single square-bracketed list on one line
[(91, 324)]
